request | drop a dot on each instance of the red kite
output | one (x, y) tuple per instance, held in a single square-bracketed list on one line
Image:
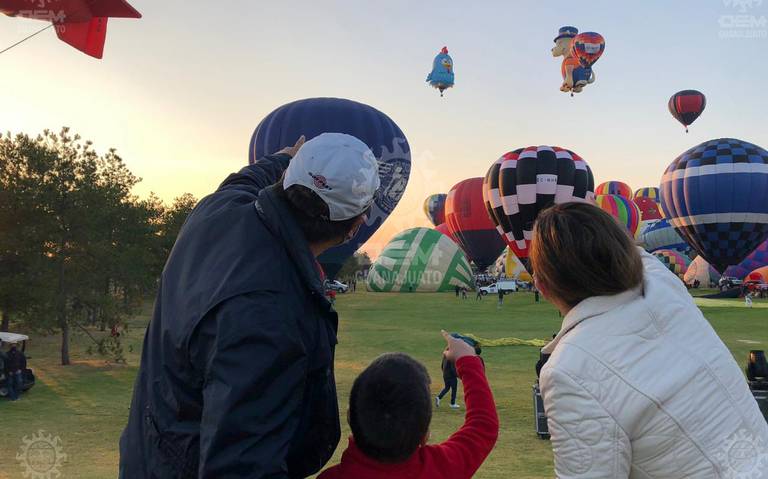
[(80, 23)]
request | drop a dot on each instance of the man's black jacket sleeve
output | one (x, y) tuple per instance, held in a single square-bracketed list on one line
[(254, 373), (254, 178)]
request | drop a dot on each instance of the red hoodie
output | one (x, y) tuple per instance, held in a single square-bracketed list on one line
[(459, 457)]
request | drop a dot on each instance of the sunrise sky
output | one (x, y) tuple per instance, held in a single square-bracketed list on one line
[(180, 91)]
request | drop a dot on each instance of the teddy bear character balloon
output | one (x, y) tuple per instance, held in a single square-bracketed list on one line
[(441, 76), (575, 75)]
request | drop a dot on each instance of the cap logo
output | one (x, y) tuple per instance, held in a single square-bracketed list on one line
[(320, 181)]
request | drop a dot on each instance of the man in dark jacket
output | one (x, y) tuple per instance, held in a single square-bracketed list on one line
[(236, 376)]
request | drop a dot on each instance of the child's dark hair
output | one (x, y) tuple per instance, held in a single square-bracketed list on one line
[(390, 408)]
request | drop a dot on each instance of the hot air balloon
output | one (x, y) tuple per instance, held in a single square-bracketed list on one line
[(314, 116), (468, 222), (614, 188), (716, 197), (514, 268), (650, 192), (441, 76), (80, 23), (756, 259), (588, 47), (420, 260), (686, 106), (525, 181), (702, 271), (760, 275), (649, 209), (624, 210), (661, 235), (674, 261), (443, 228), (434, 208)]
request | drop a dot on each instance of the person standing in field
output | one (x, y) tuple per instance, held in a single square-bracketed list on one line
[(637, 384), (450, 381), (236, 377), (501, 299)]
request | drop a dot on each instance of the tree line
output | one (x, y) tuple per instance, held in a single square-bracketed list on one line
[(77, 248)]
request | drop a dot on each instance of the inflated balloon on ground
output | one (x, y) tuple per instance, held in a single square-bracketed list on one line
[(468, 222), (434, 208), (526, 181), (624, 210), (716, 197), (420, 260), (759, 275), (313, 116), (674, 261), (702, 271), (756, 259), (661, 235)]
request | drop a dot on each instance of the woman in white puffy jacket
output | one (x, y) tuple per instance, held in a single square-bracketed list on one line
[(638, 385)]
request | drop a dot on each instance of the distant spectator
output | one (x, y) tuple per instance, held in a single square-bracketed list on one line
[(457, 291), (15, 363), (479, 295), (463, 293), (501, 299), (450, 381)]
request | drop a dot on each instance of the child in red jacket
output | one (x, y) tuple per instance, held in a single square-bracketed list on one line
[(390, 409)]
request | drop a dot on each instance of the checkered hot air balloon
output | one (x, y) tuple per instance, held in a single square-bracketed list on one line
[(624, 210), (716, 197), (650, 192), (525, 181), (614, 188), (674, 260), (588, 47), (469, 224), (686, 106)]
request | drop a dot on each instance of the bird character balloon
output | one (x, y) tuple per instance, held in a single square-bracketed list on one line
[(80, 23), (441, 76), (686, 106), (575, 74)]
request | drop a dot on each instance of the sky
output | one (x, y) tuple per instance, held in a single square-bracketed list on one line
[(180, 91)]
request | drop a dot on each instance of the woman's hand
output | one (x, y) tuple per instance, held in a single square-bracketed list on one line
[(457, 348)]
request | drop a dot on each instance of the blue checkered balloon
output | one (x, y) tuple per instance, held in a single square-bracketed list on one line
[(716, 197)]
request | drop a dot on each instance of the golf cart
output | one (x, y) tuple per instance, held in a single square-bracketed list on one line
[(20, 340)]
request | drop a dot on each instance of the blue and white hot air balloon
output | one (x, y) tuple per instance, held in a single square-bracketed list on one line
[(441, 76), (716, 197)]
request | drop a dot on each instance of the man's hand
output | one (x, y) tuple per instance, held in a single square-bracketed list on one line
[(457, 348), (291, 150)]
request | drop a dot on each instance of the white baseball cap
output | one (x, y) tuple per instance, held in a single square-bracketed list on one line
[(340, 169)]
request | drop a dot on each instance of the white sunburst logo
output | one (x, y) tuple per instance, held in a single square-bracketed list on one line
[(744, 457), (41, 456)]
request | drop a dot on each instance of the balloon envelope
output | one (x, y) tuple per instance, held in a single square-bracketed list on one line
[(420, 260), (614, 188), (525, 181), (650, 192), (588, 47), (716, 197), (686, 106), (434, 208), (674, 261), (756, 259), (649, 209), (624, 210), (661, 235), (313, 116), (468, 222), (760, 275), (700, 270)]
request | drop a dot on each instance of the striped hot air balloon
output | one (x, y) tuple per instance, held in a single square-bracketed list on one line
[(525, 181), (624, 210), (716, 197), (614, 188), (686, 106), (420, 260), (651, 192), (675, 261)]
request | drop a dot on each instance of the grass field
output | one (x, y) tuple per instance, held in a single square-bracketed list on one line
[(86, 404)]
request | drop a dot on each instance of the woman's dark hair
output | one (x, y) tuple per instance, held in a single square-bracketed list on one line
[(390, 408), (579, 251), (312, 214)]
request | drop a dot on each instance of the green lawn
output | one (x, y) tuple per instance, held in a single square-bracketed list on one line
[(86, 404)]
